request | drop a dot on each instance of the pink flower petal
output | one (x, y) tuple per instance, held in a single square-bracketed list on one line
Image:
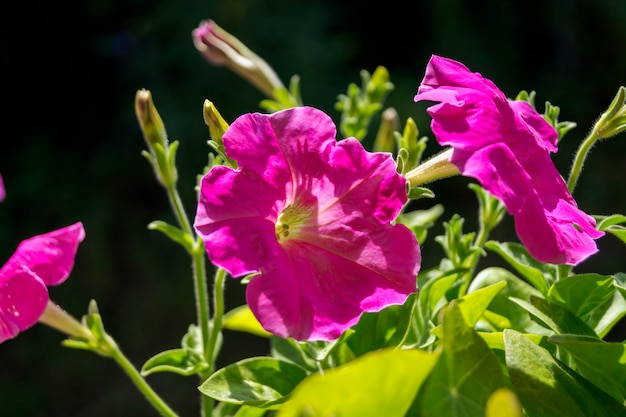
[(39, 261), (505, 145), (339, 254)]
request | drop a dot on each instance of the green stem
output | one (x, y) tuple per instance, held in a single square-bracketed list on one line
[(472, 260), (200, 287), (140, 382), (581, 154), (218, 314)]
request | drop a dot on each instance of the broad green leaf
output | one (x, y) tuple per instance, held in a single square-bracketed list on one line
[(592, 298), (242, 319), (503, 403), (179, 361), (432, 295), (602, 363), (258, 381), (547, 388), (385, 328), (556, 318), (291, 350), (538, 274), (464, 378), (612, 225), (501, 305), (379, 383), (473, 304), (581, 294)]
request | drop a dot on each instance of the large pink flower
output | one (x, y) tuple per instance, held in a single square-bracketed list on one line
[(40, 261), (313, 218), (506, 146)]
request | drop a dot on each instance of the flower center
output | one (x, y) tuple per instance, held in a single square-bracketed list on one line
[(289, 222)]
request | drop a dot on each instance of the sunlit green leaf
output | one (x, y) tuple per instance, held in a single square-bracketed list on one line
[(554, 317), (538, 274), (380, 383), (547, 388), (464, 378), (517, 317), (473, 304), (258, 381), (602, 363), (503, 403), (179, 361), (242, 319)]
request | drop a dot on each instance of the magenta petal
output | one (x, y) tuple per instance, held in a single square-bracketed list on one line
[(23, 299), (312, 217), (313, 294), (50, 255), (506, 146)]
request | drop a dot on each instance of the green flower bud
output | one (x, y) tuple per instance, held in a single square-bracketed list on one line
[(149, 120), (214, 120), (613, 120)]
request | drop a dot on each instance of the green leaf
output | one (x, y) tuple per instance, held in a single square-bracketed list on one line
[(174, 233), (293, 351), (502, 312), (379, 383), (242, 319), (385, 328), (547, 388), (419, 221), (556, 318), (602, 363), (259, 381), (179, 361), (503, 403), (473, 304), (611, 224), (464, 378), (590, 297), (538, 274)]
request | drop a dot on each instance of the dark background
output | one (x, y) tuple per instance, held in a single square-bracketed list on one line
[(71, 146)]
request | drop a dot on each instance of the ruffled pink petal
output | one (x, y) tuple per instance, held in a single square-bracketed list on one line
[(51, 255), (505, 145), (343, 258), (3, 192), (23, 299), (313, 294)]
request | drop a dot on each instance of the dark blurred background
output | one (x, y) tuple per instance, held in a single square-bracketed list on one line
[(71, 147)]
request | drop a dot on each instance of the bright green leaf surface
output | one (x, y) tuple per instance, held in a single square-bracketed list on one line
[(558, 319), (517, 317), (538, 274), (259, 381), (547, 388), (242, 319), (180, 361), (465, 376), (581, 294), (473, 305), (380, 383), (602, 363)]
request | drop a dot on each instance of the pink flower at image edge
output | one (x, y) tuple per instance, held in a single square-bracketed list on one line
[(40, 261), (312, 218), (506, 146)]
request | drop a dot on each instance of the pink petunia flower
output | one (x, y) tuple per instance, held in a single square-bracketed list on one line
[(312, 217), (40, 261), (506, 146)]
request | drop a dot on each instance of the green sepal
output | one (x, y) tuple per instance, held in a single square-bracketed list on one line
[(416, 193), (258, 381)]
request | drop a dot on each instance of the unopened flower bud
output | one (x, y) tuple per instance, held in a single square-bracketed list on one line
[(220, 48), (214, 120), (613, 120), (385, 137), (149, 120)]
